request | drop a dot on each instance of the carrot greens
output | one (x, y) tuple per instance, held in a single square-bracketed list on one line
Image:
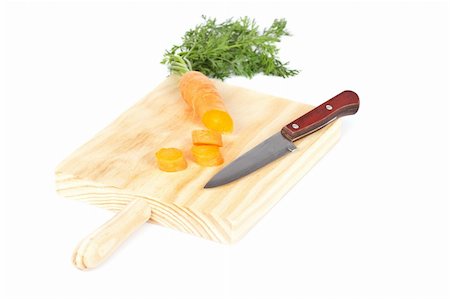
[(230, 48)]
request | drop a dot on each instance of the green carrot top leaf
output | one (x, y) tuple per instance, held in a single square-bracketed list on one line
[(231, 48)]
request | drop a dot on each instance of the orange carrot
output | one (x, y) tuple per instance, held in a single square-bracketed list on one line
[(206, 137), (170, 159), (199, 92), (207, 155)]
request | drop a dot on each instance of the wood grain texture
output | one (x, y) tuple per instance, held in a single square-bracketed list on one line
[(118, 165)]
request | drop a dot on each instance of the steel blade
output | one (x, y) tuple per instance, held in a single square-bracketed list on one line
[(259, 156)]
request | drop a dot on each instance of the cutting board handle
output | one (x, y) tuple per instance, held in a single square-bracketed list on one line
[(99, 245)]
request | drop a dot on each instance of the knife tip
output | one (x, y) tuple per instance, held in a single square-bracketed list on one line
[(208, 186), (212, 184)]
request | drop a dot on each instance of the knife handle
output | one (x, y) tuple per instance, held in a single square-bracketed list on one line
[(345, 103)]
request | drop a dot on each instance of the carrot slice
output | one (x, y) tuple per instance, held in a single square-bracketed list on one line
[(199, 92), (218, 120), (207, 155), (170, 159), (206, 137)]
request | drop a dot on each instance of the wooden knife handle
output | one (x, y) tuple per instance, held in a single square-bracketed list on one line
[(345, 103), (99, 245)]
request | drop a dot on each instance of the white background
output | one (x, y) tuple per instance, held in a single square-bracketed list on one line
[(371, 220)]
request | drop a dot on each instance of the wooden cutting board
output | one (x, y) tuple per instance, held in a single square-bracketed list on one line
[(118, 164)]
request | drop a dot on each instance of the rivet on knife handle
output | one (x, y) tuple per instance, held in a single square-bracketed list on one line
[(345, 103)]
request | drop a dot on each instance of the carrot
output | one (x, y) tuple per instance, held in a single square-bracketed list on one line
[(199, 92), (206, 137), (207, 155), (170, 159)]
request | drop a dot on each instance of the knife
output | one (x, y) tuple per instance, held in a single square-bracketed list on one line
[(345, 103)]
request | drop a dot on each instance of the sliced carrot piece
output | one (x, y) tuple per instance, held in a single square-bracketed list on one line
[(206, 137), (170, 159), (218, 120), (207, 155)]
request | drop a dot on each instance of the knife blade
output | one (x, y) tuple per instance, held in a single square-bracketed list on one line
[(281, 143)]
